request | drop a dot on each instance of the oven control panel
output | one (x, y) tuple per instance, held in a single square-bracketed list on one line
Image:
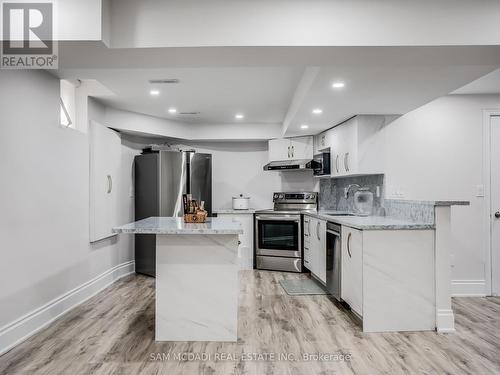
[(299, 197)]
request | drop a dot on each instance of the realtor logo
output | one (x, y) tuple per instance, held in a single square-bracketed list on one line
[(28, 36)]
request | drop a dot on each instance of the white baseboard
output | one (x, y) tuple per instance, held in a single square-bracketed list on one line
[(21, 329), (445, 321), (468, 288)]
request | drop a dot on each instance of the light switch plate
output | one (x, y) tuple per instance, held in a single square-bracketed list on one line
[(479, 190)]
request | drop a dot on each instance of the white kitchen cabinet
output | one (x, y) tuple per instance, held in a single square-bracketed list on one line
[(355, 145), (352, 269), (105, 166), (245, 248), (388, 278), (279, 149), (302, 147), (307, 242), (291, 148), (315, 242), (321, 142)]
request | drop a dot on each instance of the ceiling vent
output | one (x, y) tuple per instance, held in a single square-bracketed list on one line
[(162, 81)]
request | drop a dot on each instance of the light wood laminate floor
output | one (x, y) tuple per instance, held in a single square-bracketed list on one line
[(113, 333)]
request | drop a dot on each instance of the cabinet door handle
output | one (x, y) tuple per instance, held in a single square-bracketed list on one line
[(337, 163), (293, 151), (347, 162), (309, 227), (317, 230), (110, 184), (349, 245), (288, 152)]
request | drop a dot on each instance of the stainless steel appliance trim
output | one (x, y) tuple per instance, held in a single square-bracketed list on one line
[(279, 263), (278, 217), (334, 261)]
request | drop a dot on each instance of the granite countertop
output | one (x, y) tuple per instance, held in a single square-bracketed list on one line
[(370, 222), (176, 225)]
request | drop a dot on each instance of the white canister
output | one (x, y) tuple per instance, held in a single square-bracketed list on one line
[(241, 203)]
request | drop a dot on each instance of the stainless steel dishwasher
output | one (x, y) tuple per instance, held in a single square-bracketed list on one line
[(333, 259)]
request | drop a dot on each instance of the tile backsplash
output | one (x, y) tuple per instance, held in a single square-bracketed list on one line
[(331, 192)]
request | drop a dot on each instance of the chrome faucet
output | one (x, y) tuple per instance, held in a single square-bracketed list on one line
[(348, 188)]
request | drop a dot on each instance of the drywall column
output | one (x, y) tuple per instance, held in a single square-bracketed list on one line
[(445, 319)]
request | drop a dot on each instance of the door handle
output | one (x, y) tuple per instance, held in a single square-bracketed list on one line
[(317, 230), (293, 151), (346, 161), (110, 184), (349, 245), (497, 214), (337, 163), (288, 152)]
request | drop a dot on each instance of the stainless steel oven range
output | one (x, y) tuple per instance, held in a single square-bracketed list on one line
[(278, 232)]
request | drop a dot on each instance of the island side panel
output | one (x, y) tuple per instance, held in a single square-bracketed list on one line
[(196, 287), (398, 281)]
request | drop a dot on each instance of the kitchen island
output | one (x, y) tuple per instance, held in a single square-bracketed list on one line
[(196, 277)]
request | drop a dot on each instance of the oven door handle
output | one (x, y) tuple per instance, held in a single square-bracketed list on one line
[(277, 218)]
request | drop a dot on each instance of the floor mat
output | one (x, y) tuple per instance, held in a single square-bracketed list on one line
[(302, 287)]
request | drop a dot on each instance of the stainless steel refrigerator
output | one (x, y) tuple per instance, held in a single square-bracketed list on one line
[(160, 180)]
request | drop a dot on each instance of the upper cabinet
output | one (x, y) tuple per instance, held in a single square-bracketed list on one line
[(291, 148), (356, 146)]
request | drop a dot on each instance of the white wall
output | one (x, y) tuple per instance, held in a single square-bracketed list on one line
[(237, 168), (44, 199), (195, 23), (436, 152)]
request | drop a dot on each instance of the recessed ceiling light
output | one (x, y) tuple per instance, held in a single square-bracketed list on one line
[(317, 111), (239, 116), (172, 110), (338, 85), (304, 126), (155, 92)]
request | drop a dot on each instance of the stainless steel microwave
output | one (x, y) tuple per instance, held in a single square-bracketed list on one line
[(321, 164)]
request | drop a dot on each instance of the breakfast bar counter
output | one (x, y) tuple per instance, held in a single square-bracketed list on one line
[(196, 277)]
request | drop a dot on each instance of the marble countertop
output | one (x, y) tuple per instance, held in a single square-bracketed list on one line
[(232, 211), (176, 225), (434, 203), (370, 222)]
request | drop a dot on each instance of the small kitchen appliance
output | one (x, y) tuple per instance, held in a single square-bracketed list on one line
[(241, 203)]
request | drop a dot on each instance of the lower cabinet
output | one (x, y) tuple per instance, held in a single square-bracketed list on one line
[(315, 247), (245, 249), (388, 278), (352, 269)]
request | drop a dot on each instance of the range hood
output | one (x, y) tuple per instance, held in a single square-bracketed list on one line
[(289, 165)]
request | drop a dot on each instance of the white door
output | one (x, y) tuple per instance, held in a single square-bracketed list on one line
[(495, 205), (105, 159)]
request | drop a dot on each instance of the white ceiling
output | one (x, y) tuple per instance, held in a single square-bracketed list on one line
[(488, 84), (267, 85), (262, 94)]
